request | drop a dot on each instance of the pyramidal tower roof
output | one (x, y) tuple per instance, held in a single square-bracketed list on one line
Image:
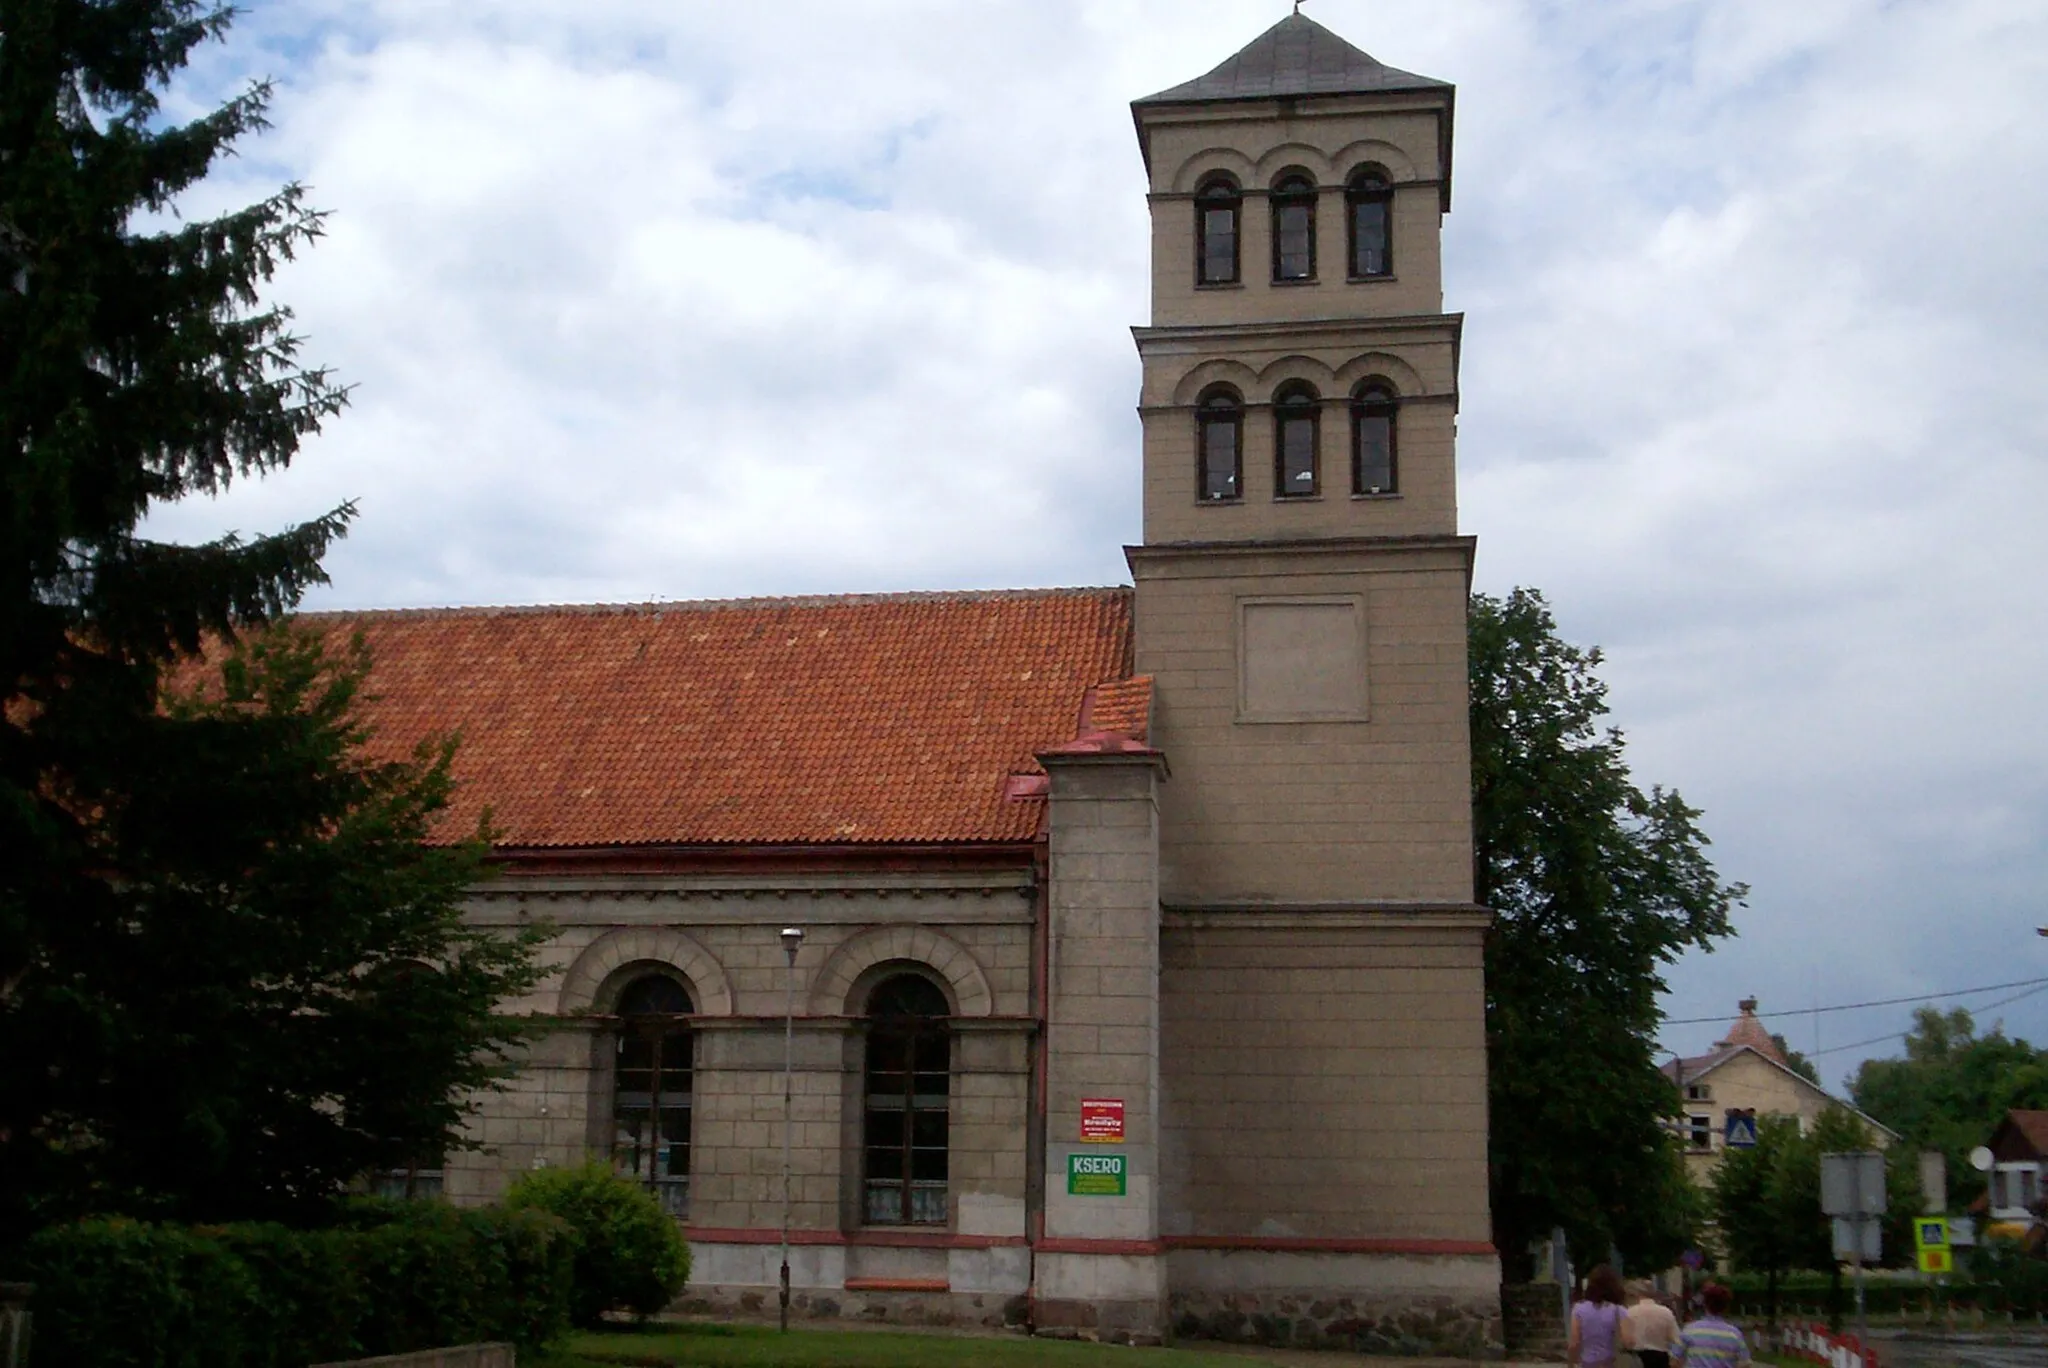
[(1749, 1031), (1297, 56)]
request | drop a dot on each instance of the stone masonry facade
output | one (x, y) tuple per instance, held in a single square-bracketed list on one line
[(1140, 990)]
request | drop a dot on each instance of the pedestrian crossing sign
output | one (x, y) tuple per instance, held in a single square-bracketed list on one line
[(1739, 1131), (1930, 1242)]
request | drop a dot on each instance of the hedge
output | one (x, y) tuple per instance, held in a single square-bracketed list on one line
[(1999, 1279), (116, 1293)]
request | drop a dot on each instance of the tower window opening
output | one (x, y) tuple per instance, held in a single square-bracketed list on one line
[(1373, 468), (1219, 439), (1295, 423), (1370, 199), (1216, 219), (1294, 229)]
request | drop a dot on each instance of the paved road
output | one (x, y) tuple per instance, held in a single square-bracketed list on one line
[(1962, 1351)]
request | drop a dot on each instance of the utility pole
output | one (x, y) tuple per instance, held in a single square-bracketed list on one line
[(792, 939)]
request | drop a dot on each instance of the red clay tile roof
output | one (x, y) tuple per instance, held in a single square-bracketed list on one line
[(1747, 1030), (1122, 706), (875, 719)]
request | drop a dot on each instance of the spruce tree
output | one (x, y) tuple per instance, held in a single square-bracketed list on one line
[(232, 972)]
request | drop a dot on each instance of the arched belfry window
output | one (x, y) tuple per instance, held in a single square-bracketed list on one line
[(1219, 442), (909, 1066), (1374, 469), (1294, 228), (651, 1089), (1295, 423), (1217, 209), (1369, 204)]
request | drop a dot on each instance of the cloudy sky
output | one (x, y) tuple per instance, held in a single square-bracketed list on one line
[(685, 300)]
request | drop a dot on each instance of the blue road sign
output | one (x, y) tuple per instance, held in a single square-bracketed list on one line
[(1741, 1131)]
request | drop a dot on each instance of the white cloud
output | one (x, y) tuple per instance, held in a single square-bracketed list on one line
[(688, 299)]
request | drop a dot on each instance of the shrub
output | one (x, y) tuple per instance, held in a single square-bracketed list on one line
[(124, 1294), (629, 1254)]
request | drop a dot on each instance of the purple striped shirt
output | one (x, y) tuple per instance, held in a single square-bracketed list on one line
[(1711, 1342)]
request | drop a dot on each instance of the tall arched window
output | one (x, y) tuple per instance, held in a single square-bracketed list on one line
[(1294, 228), (1216, 220), (651, 1089), (1369, 202), (1373, 466), (1219, 443), (1295, 423), (909, 1068)]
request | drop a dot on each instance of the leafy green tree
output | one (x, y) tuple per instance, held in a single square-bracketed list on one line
[(1952, 1089), (1767, 1199), (231, 972), (1595, 886), (1796, 1061), (1748, 1193)]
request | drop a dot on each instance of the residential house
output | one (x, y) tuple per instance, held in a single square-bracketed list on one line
[(1746, 1076), (2019, 1161)]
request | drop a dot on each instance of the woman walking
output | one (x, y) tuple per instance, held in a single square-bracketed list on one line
[(1595, 1335)]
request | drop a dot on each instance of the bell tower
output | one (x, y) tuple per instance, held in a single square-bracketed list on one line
[(1301, 586), (1301, 606)]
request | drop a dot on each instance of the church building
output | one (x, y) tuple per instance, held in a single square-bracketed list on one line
[(1139, 985)]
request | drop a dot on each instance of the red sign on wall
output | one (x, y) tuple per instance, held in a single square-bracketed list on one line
[(1102, 1120)]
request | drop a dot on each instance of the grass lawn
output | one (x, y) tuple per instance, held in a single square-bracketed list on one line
[(753, 1346)]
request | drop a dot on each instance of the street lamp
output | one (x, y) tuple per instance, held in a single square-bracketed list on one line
[(792, 939)]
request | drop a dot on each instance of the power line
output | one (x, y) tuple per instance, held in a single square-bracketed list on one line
[(1877, 1002), (1894, 1035)]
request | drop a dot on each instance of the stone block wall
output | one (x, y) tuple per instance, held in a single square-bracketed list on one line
[(1311, 813), (718, 935), (1325, 1076), (1097, 1268)]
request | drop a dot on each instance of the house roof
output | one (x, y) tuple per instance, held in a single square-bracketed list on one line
[(2032, 1127), (1297, 56), (868, 719), (1748, 1036), (1747, 1030)]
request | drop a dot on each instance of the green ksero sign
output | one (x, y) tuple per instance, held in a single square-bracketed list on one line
[(1096, 1175)]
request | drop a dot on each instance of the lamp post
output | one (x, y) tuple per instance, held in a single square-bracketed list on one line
[(792, 939)]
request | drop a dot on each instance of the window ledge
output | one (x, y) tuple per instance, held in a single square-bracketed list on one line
[(1234, 502), (1372, 280), (1381, 497), (1295, 282), (1219, 284), (1297, 498)]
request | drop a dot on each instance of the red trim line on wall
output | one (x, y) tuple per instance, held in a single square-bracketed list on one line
[(1284, 1244), (893, 1239), (898, 1285), (1057, 1245)]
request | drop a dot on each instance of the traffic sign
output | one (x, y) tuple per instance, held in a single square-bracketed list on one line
[(1852, 1184), (1739, 1131), (1931, 1243)]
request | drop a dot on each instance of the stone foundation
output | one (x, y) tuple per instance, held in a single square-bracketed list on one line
[(1364, 1303), (1408, 1326)]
